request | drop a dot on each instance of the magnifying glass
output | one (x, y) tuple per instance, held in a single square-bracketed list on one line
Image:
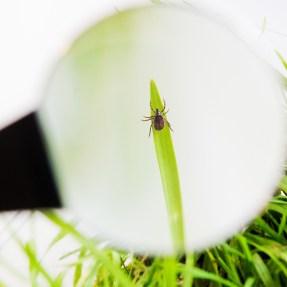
[(93, 154)]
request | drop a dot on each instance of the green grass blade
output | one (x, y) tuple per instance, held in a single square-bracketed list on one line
[(283, 184), (79, 267), (245, 247), (263, 28), (114, 269), (262, 271), (187, 277), (249, 282), (169, 265), (282, 59), (202, 274), (169, 174), (228, 258), (269, 231), (270, 249), (36, 268)]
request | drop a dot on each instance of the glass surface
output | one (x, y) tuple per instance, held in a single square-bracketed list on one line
[(225, 109)]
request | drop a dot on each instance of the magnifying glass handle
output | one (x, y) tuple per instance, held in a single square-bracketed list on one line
[(26, 180)]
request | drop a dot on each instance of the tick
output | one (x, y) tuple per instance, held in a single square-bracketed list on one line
[(158, 120)]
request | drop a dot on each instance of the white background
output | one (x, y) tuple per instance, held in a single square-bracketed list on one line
[(34, 34)]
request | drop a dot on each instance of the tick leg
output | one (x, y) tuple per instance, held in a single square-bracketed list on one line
[(164, 113), (150, 130), (147, 118), (151, 107), (168, 124), (163, 106)]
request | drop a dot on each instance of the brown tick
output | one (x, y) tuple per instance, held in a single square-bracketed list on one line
[(157, 120)]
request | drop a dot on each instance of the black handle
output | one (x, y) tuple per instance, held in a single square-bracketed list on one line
[(26, 179)]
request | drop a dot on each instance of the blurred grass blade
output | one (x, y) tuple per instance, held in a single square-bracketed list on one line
[(79, 267), (202, 274), (263, 28), (249, 282), (118, 274), (284, 62), (283, 184), (169, 174), (35, 266), (170, 271), (282, 59), (187, 277), (228, 258), (262, 271)]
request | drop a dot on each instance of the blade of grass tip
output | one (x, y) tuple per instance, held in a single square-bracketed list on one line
[(284, 79), (213, 261), (79, 267), (249, 282), (56, 239), (169, 174), (263, 28), (58, 282), (282, 59)]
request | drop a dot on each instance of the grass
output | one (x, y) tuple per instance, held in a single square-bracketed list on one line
[(254, 257), (169, 173)]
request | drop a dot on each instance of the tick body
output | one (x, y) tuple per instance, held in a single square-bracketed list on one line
[(157, 120)]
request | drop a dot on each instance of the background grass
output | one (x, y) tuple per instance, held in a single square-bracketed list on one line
[(256, 256)]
